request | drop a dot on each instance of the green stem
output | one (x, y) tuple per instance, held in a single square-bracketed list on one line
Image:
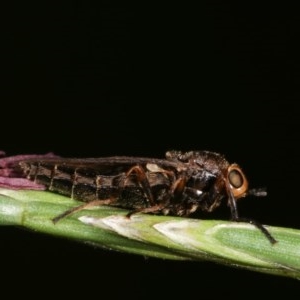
[(235, 244)]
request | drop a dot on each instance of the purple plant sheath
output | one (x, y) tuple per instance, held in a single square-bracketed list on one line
[(10, 176)]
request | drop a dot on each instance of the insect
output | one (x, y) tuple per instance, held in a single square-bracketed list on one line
[(179, 185)]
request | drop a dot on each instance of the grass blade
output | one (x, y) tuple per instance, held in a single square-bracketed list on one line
[(235, 244)]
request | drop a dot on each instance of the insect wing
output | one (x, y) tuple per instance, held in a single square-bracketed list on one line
[(90, 179)]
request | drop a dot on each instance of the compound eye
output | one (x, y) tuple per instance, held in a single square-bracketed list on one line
[(235, 178), (237, 181)]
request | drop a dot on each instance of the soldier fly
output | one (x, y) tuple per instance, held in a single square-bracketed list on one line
[(179, 185)]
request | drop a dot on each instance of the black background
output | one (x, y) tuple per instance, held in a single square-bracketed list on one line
[(108, 79)]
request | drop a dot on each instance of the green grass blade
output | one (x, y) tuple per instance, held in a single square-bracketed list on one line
[(235, 244)]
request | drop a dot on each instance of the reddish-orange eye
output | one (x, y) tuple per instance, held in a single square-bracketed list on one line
[(237, 181)]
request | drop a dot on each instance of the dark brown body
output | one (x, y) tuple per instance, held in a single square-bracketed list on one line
[(178, 185)]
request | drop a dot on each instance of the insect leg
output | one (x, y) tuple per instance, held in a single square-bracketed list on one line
[(260, 227), (178, 186), (142, 179), (81, 207), (232, 205), (176, 189), (235, 217), (151, 209)]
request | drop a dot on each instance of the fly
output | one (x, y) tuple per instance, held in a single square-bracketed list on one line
[(179, 185)]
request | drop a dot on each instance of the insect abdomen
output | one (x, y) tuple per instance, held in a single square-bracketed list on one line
[(86, 184)]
